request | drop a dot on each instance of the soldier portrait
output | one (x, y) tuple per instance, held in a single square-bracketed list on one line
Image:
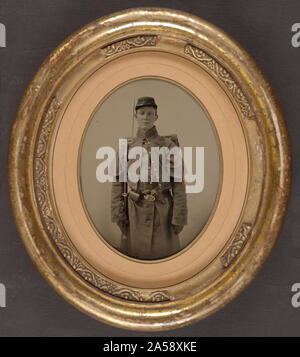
[(144, 219), (149, 214)]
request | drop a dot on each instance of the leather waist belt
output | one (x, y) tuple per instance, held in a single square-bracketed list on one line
[(147, 195)]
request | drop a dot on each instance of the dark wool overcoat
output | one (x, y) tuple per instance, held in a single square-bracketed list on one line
[(150, 233)]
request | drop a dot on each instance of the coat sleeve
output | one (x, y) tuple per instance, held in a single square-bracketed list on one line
[(117, 202), (179, 217)]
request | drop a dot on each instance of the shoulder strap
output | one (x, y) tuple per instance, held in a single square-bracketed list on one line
[(173, 138)]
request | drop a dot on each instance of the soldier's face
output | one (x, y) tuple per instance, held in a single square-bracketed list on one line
[(145, 117)]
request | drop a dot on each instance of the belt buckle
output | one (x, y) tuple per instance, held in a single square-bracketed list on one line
[(149, 197)]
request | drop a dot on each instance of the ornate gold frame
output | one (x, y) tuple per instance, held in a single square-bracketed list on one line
[(29, 176)]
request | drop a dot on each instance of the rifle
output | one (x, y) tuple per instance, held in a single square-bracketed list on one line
[(125, 198), (125, 186)]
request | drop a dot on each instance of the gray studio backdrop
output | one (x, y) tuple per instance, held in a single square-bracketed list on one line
[(263, 27)]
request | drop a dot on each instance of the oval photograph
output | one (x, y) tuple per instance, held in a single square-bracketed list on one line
[(150, 169)]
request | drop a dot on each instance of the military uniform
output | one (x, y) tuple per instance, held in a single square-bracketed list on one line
[(156, 211)]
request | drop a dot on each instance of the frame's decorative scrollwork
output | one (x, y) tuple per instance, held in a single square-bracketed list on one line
[(237, 245), (129, 43), (220, 72)]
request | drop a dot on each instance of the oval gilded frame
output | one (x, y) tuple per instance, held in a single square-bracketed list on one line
[(142, 31)]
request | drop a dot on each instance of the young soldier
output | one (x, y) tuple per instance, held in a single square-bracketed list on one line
[(149, 214)]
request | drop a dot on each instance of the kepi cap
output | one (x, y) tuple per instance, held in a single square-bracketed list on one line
[(145, 102)]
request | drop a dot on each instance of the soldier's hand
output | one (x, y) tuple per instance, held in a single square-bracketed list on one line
[(123, 224), (177, 229)]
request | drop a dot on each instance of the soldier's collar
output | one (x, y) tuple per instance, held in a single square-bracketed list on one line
[(149, 133)]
